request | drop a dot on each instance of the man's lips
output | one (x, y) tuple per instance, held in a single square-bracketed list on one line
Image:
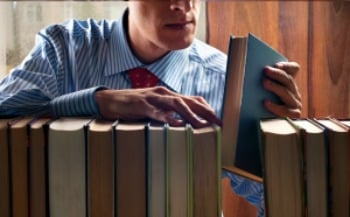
[(179, 25)]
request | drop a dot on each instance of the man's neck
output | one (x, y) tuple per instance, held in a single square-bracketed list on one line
[(145, 51)]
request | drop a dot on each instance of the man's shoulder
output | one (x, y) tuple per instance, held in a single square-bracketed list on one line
[(90, 28), (208, 56)]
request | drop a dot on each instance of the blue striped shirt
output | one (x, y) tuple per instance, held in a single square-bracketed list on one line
[(70, 61)]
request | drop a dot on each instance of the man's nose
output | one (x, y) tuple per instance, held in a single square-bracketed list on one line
[(182, 5)]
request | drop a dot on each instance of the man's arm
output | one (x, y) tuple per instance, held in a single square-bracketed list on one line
[(42, 84), (25, 93)]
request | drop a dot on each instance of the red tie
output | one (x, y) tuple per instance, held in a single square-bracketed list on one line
[(141, 77)]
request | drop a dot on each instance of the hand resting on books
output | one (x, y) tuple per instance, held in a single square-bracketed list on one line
[(160, 104), (157, 103), (280, 80)]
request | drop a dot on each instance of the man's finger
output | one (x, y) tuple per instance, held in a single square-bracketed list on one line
[(289, 98), (290, 67), (284, 79), (203, 109), (282, 110)]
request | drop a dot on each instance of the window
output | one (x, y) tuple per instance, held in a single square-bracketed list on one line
[(23, 19)]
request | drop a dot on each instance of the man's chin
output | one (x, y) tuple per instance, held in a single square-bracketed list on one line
[(182, 44)]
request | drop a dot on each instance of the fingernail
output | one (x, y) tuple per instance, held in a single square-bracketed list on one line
[(268, 70), (279, 65)]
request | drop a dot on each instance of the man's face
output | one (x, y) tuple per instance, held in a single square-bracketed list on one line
[(164, 24)]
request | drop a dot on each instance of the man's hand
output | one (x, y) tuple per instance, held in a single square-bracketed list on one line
[(157, 103), (280, 81)]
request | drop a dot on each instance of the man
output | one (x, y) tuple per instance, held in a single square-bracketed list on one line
[(81, 68)]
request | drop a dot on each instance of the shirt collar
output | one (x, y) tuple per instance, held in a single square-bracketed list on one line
[(169, 69)]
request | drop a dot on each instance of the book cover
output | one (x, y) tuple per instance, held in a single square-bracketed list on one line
[(282, 159), (315, 165), (315, 168), (243, 101), (206, 171), (4, 170), (67, 167), (179, 176), (156, 170), (38, 167), (18, 144), (130, 168), (338, 138), (100, 168)]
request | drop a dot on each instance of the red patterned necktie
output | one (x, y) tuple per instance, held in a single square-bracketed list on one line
[(141, 78)]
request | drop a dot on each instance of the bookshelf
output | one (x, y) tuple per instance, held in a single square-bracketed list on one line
[(312, 33)]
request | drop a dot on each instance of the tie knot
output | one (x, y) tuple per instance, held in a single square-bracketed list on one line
[(141, 78)]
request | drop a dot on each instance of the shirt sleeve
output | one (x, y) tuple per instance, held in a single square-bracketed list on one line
[(79, 103), (39, 84), (253, 192)]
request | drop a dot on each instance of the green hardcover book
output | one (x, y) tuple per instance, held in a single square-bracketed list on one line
[(315, 166), (206, 171), (67, 167), (282, 169), (338, 138), (156, 170), (179, 172), (243, 101)]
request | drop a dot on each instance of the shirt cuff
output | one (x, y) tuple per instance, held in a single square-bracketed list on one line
[(79, 103)]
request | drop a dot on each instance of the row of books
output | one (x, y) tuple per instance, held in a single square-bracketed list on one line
[(305, 171), (306, 167), (304, 164), (76, 167)]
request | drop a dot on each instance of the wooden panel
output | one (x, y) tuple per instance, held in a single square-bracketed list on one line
[(330, 59), (315, 34), (234, 205), (282, 24)]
